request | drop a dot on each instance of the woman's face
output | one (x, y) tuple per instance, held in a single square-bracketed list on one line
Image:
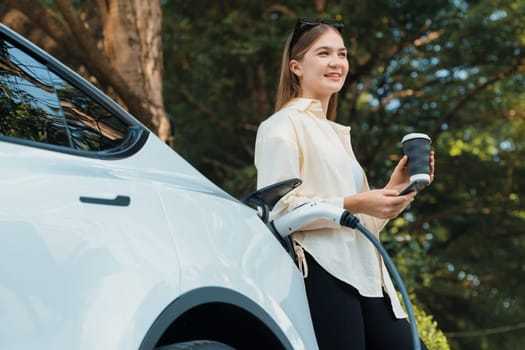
[(323, 69)]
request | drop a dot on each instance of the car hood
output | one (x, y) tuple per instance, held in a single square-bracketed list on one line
[(157, 162)]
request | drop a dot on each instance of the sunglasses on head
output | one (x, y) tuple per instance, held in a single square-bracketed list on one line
[(304, 24)]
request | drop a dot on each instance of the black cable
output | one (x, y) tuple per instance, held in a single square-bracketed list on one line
[(349, 220)]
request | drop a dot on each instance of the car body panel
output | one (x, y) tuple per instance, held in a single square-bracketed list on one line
[(64, 260)]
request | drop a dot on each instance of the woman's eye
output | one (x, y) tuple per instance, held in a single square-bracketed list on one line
[(323, 53)]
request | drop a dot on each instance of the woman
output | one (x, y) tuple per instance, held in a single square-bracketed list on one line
[(351, 296)]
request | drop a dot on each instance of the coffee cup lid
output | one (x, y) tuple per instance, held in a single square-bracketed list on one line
[(415, 135)]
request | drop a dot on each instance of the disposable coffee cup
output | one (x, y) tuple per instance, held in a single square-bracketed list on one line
[(417, 147)]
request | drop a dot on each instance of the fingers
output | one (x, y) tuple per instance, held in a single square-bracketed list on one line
[(402, 162), (396, 204), (401, 208), (393, 212), (390, 192), (383, 204), (432, 165)]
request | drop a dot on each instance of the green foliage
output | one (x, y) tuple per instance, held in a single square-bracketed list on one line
[(241, 182), (427, 327), (223, 79), (429, 331)]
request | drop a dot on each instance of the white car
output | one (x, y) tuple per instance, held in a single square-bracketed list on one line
[(110, 240)]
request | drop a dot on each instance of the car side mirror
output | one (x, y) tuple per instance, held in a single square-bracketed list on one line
[(266, 197)]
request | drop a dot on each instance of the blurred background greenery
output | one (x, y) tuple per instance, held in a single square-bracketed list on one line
[(451, 68)]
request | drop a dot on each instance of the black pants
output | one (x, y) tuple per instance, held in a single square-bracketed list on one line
[(343, 319)]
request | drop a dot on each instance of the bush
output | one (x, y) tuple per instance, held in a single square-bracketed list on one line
[(428, 330)]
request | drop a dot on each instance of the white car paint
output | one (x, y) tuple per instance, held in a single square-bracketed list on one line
[(85, 276)]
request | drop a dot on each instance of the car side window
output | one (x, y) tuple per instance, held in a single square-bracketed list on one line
[(37, 105)]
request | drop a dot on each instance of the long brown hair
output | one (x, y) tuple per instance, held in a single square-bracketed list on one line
[(289, 86)]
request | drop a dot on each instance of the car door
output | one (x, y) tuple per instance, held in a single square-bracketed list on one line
[(86, 257)]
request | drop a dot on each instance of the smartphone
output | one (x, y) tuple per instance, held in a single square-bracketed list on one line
[(417, 186)]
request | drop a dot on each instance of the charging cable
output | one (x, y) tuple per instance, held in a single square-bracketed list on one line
[(308, 212)]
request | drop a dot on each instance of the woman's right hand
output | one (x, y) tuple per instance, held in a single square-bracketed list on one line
[(382, 204)]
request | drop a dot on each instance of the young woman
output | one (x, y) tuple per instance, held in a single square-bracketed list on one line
[(351, 296)]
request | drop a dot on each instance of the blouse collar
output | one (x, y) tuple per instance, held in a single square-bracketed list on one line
[(308, 105)]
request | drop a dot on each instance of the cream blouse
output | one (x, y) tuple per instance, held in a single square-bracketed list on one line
[(300, 142)]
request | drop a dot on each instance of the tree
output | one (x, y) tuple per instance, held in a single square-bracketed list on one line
[(452, 69), (115, 44)]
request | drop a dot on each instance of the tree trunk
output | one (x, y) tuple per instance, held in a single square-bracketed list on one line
[(123, 53), (133, 43), (319, 5)]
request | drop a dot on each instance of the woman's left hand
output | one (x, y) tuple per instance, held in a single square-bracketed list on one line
[(400, 177)]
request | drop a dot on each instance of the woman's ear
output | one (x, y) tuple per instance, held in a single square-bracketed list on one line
[(295, 68)]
